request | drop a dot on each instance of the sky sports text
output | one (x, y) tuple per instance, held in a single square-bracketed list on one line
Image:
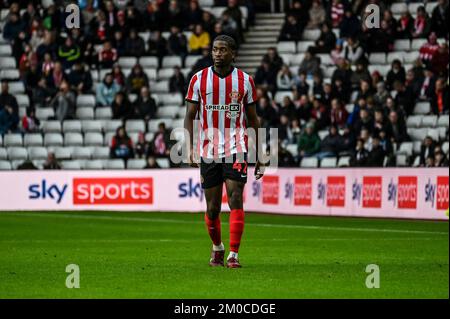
[(267, 154)]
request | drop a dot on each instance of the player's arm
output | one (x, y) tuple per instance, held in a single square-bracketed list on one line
[(253, 122), (191, 114)]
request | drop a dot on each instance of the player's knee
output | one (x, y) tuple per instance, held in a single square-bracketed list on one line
[(213, 211), (235, 200)]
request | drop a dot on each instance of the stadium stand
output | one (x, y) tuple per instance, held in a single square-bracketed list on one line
[(64, 99)]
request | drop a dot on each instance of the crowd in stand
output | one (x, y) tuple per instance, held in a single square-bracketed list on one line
[(376, 126), (55, 62)]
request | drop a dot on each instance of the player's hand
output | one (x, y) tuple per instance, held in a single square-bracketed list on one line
[(192, 162), (259, 170)]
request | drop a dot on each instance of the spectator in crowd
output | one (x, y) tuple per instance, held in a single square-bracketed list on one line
[(118, 76), (429, 162), (360, 74), (47, 65), (309, 143), (177, 43), (427, 149), (151, 163), (199, 40), (440, 159), (301, 84), (310, 64), (396, 73), (285, 158), (7, 98), (291, 30), (273, 59), (427, 88), (320, 115), (235, 13), (229, 26), (177, 82), (285, 80), (301, 12), (160, 146), (327, 40), (422, 24), (353, 51), (69, 53), (317, 15), (27, 165), (336, 12), (360, 155), (404, 99), (440, 101), (266, 77), (107, 56), (141, 148), (51, 163), (428, 50), (338, 114), (41, 95), (396, 129), (350, 25), (406, 24), (202, 63), (107, 90), (136, 80), (57, 76), (30, 123), (439, 19), (267, 113), (338, 52), (208, 22), (194, 15), (13, 27), (146, 107), (122, 108), (64, 102), (134, 45), (9, 120), (175, 15), (440, 61), (377, 154), (331, 144), (122, 145), (79, 79), (157, 46), (381, 94)]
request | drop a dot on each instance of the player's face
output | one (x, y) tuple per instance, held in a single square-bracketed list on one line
[(222, 54)]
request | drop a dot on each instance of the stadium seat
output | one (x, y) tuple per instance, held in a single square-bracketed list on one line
[(72, 126), (410, 57), (81, 153), (323, 134), (191, 60), (16, 87), (325, 59), (93, 139), (149, 137), (51, 126), (45, 113), (86, 100), (3, 154), (17, 153), (377, 58), (303, 46), (53, 139), (395, 56), (399, 8), (107, 139), (152, 74), (416, 162), (9, 74), (329, 162), (177, 123), (94, 165), (309, 162), (429, 121), (402, 45), (101, 153), (445, 147), (418, 134), (414, 121), (85, 113), (37, 153), (5, 50), (103, 72), (279, 96), (172, 61), (103, 113), (422, 108), (33, 140), (128, 62), (92, 126), (149, 62), (163, 162), (434, 134), (62, 153), (136, 164), (12, 140), (287, 58), (73, 139), (168, 111), (406, 148), (402, 160), (443, 121), (293, 149), (5, 166), (112, 125), (417, 147), (170, 99), (133, 126), (161, 87), (344, 161), (7, 63), (311, 34), (286, 47), (71, 165), (116, 164), (443, 133), (417, 44)]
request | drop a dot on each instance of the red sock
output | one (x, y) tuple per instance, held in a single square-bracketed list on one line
[(214, 230), (236, 229)]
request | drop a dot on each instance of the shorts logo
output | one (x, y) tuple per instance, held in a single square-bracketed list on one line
[(407, 192), (113, 191), (270, 190), (303, 191), (442, 192), (336, 191), (372, 191)]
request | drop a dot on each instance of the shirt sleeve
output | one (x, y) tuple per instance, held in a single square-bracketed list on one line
[(251, 91), (193, 91)]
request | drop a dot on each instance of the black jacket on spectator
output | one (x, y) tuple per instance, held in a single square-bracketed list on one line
[(376, 157), (146, 109), (9, 99), (439, 21), (359, 158), (398, 132)]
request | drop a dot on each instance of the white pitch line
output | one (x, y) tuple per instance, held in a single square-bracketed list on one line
[(162, 220)]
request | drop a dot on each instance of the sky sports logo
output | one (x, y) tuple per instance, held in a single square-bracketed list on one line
[(267, 190), (438, 193), (97, 191), (333, 192), (370, 192)]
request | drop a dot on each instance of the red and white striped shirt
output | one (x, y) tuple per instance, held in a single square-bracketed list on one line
[(222, 102)]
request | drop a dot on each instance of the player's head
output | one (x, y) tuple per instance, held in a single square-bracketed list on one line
[(223, 51)]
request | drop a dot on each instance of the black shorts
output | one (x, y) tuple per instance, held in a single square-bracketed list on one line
[(214, 173)]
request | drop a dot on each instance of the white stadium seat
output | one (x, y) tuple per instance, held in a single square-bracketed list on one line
[(136, 164), (417, 44), (163, 162), (329, 162), (377, 58), (17, 153), (429, 121), (406, 148), (128, 62), (72, 126), (63, 153), (414, 121), (286, 47), (172, 61), (311, 34), (395, 56), (33, 140), (53, 139), (344, 161), (304, 45), (94, 165), (168, 111), (45, 113), (153, 124), (417, 134), (81, 153), (309, 162), (5, 166), (103, 113), (443, 121), (402, 45), (133, 126), (85, 113), (116, 164), (37, 153), (92, 126), (149, 62), (86, 100), (93, 139), (12, 140), (71, 165), (73, 139), (422, 108), (293, 149), (3, 154)]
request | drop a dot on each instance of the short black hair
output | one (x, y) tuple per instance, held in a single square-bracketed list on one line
[(229, 40)]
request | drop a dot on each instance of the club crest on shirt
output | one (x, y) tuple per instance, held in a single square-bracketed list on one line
[(235, 96)]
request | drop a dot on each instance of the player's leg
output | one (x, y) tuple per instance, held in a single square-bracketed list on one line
[(235, 179), (212, 183)]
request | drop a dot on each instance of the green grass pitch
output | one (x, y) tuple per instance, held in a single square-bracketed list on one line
[(156, 255)]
